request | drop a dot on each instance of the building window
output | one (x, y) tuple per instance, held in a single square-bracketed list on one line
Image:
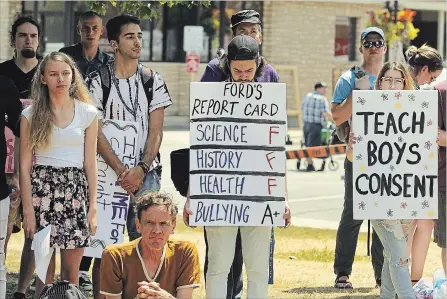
[(344, 44)]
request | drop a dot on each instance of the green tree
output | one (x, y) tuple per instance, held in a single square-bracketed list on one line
[(145, 10)]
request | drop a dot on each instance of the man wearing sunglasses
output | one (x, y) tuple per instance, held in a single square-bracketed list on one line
[(373, 49)]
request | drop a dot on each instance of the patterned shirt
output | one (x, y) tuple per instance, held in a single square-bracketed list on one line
[(86, 66), (313, 107), (127, 96)]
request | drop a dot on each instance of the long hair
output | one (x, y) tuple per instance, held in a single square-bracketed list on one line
[(395, 66), (41, 124), (424, 56), (260, 64)]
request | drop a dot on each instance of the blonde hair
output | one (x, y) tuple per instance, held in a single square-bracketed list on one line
[(41, 125), (424, 56), (395, 66)]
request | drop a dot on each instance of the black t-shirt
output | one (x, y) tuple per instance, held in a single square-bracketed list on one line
[(22, 80), (10, 106)]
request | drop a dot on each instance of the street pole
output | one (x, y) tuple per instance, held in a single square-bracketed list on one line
[(222, 25)]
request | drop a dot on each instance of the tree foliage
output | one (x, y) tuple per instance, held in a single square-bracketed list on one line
[(145, 10)]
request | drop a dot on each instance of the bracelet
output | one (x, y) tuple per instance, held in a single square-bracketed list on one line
[(144, 166)]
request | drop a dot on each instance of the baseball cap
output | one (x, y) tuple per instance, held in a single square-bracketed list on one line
[(372, 30), (320, 84), (243, 47), (245, 16)]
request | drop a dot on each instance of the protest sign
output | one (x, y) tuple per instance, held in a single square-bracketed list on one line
[(395, 158), (9, 138), (237, 154), (113, 201)]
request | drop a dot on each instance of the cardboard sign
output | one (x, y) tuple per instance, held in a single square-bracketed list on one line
[(395, 158), (237, 154), (113, 201)]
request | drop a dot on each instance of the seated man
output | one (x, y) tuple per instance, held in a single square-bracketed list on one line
[(151, 266)]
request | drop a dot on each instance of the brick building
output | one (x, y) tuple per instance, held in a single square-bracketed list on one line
[(306, 41)]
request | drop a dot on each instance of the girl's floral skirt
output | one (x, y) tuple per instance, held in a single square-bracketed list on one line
[(60, 199)]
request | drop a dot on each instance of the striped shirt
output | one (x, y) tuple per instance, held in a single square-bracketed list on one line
[(313, 107)]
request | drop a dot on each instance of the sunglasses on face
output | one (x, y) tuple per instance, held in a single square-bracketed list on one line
[(375, 44)]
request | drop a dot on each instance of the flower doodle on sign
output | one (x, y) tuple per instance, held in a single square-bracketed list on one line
[(425, 167), (361, 101), (389, 213), (362, 205), (397, 95), (429, 123), (391, 167), (384, 97), (376, 203), (425, 204), (428, 145), (359, 157), (403, 205), (359, 139), (398, 105), (414, 214), (411, 97), (400, 139), (424, 104)]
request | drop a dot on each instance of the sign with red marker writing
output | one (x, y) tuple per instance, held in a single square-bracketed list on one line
[(237, 153), (395, 157)]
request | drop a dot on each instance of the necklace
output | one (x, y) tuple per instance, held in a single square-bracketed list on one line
[(133, 104)]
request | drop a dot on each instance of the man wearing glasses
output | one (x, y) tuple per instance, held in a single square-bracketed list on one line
[(362, 77)]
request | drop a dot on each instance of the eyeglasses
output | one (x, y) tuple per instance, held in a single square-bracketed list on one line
[(376, 44), (393, 81)]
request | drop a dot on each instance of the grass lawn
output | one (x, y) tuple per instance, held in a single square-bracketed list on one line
[(303, 264)]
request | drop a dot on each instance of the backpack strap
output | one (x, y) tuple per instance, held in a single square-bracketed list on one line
[(147, 78), (105, 75)]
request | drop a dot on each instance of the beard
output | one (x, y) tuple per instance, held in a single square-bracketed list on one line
[(28, 53)]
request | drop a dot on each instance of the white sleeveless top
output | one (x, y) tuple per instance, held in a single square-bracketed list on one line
[(66, 147)]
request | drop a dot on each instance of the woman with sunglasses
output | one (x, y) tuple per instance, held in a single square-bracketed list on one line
[(425, 64), (393, 233)]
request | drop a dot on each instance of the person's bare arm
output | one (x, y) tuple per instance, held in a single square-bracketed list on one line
[(134, 176), (26, 156), (343, 111), (153, 142), (185, 293), (91, 172), (442, 138)]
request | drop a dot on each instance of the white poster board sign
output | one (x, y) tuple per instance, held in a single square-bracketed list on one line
[(237, 153), (113, 201), (395, 158)]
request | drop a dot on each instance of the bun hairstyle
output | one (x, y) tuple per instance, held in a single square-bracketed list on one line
[(424, 56)]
